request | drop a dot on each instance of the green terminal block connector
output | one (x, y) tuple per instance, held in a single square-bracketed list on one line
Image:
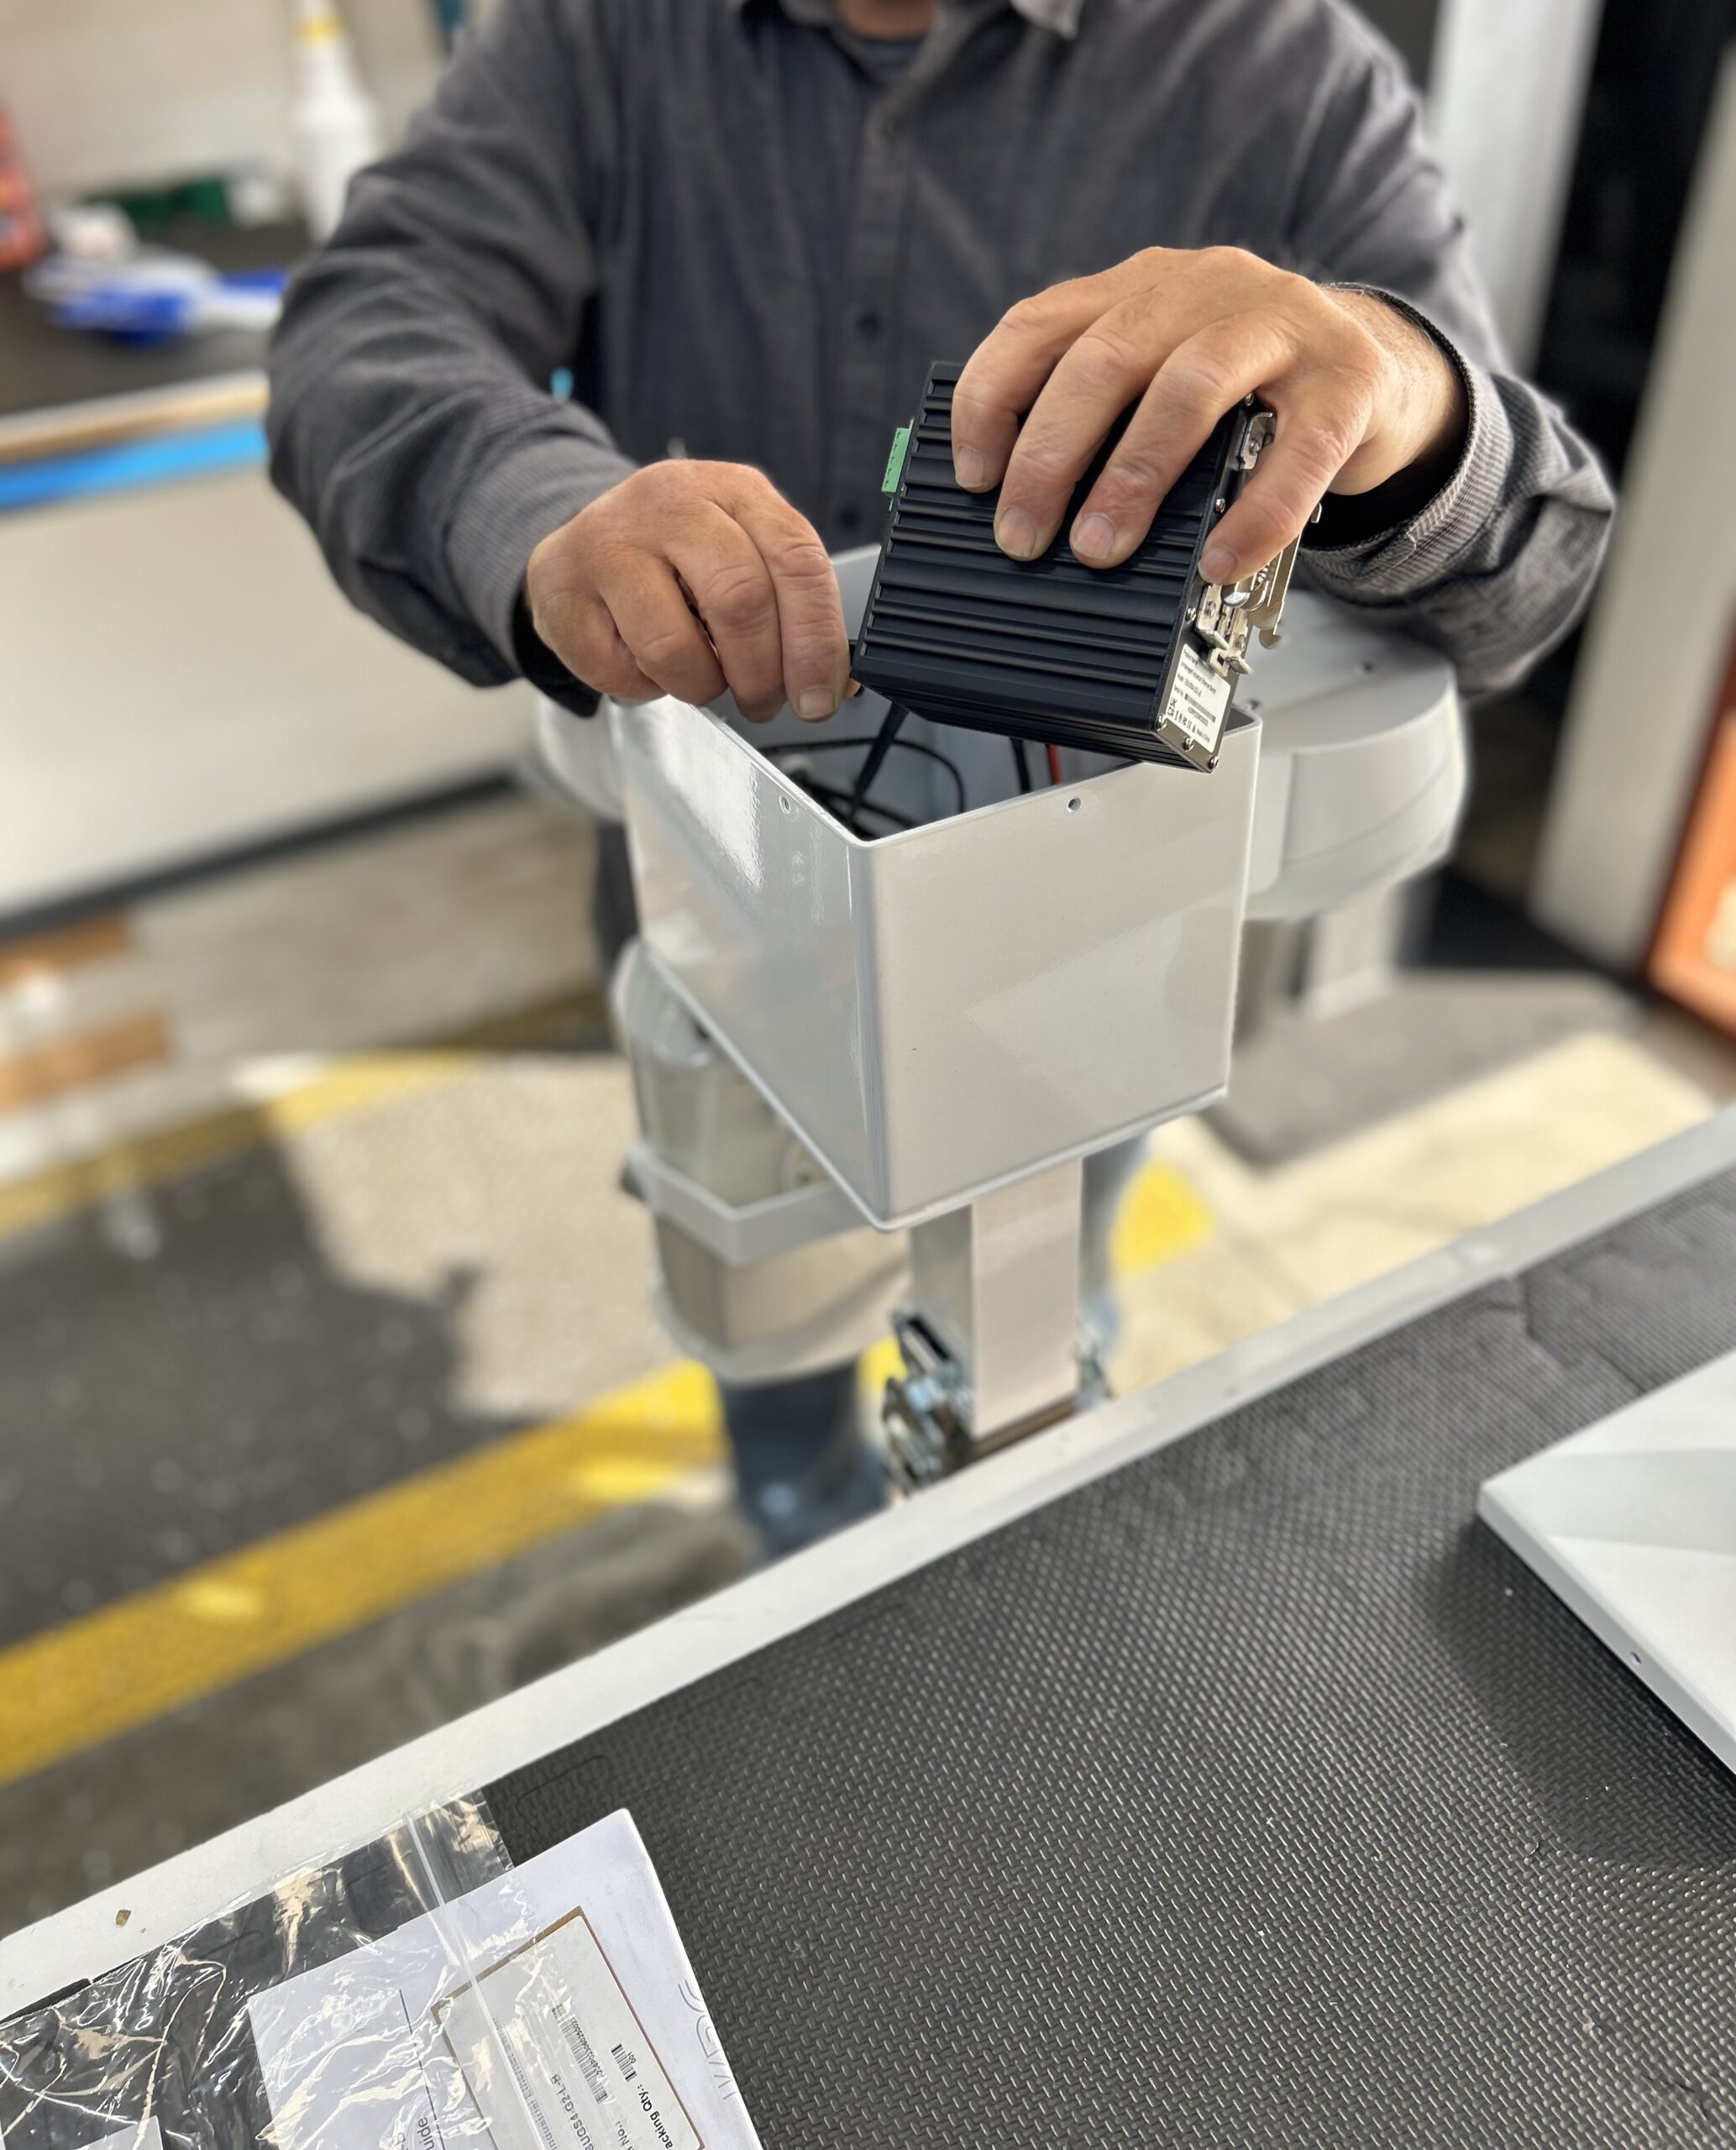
[(895, 461)]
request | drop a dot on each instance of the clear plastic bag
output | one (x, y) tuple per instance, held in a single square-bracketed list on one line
[(419, 1994), (165, 2043)]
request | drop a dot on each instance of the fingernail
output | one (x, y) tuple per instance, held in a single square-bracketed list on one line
[(1219, 565), (1015, 534), (815, 702), (1093, 538), (969, 468)]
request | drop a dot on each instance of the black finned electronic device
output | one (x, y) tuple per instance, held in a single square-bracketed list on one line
[(1140, 660)]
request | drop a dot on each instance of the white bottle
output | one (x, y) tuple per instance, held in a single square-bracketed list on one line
[(334, 124)]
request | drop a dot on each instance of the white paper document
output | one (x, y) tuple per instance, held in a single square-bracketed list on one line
[(551, 2009)]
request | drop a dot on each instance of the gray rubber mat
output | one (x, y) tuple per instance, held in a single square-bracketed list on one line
[(1255, 1795), (187, 1369)]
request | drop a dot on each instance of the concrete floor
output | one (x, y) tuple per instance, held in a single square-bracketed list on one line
[(297, 1271)]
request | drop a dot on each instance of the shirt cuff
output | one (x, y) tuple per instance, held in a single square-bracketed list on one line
[(536, 662), (530, 488), (1398, 563)]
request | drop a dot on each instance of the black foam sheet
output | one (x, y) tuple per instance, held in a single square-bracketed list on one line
[(1255, 1794)]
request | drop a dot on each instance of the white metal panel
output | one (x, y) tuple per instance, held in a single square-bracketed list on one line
[(1363, 770), (1361, 778), (999, 1283), (1633, 1523), (962, 1002), (1507, 91)]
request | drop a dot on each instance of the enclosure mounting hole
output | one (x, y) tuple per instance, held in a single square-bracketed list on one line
[(783, 802), (1073, 805)]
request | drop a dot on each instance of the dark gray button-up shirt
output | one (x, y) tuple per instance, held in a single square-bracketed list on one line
[(747, 240)]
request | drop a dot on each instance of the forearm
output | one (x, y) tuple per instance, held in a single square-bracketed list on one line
[(411, 421), (1497, 565), (427, 464)]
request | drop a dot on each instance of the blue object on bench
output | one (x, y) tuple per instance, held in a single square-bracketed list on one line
[(127, 464)]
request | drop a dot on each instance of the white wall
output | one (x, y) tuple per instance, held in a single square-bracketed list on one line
[(1507, 90), (230, 695), (1644, 697), (106, 92)]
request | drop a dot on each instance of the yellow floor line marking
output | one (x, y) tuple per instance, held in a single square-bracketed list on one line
[(58, 1191), (356, 1083), (1163, 1216), (79, 1685), (70, 1689)]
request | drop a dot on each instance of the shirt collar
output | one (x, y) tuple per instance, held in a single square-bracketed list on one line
[(1061, 16)]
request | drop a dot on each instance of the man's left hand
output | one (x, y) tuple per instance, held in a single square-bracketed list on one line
[(1360, 392)]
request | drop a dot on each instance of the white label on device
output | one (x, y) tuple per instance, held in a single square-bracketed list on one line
[(555, 2055), (1199, 701)]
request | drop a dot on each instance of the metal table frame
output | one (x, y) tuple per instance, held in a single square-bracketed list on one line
[(87, 1939)]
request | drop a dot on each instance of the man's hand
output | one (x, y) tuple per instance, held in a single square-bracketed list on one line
[(1361, 394), (688, 578)]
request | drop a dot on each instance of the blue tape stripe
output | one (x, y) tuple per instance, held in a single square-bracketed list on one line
[(133, 462)]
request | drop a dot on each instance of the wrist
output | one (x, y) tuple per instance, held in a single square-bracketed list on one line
[(1428, 416), (541, 668), (531, 485)]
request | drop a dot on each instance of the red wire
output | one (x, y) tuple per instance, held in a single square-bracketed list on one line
[(1054, 765)]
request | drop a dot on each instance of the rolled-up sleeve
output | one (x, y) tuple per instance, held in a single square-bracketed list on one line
[(412, 420), (1498, 566)]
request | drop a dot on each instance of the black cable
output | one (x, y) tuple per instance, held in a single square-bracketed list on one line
[(793, 749), (1021, 764), (838, 803), (883, 738)]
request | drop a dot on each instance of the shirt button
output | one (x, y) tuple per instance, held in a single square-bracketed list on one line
[(849, 517), (869, 323)]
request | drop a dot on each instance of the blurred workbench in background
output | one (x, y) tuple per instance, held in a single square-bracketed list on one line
[(60, 393), (180, 681)]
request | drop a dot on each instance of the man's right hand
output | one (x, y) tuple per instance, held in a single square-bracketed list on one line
[(689, 578)]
